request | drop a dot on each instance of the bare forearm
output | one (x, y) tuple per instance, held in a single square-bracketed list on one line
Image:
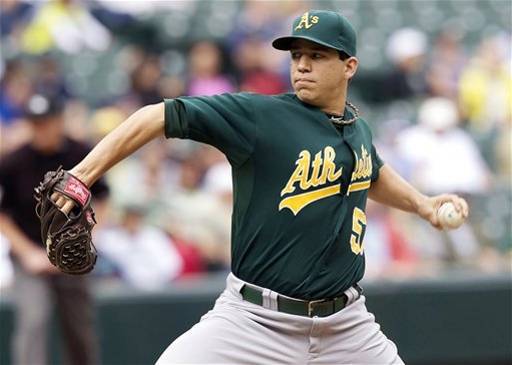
[(392, 190), (141, 127)]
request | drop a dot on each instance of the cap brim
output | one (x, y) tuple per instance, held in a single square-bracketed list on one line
[(285, 43), (40, 117)]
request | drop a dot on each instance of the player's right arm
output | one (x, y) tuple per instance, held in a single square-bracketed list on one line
[(141, 127), (224, 121)]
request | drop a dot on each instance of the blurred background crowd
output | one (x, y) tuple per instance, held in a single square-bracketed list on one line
[(434, 82)]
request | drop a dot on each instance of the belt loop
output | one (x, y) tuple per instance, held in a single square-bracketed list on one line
[(265, 295), (351, 294), (355, 295), (273, 301)]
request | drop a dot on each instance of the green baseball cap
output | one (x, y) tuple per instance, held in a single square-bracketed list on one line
[(324, 27)]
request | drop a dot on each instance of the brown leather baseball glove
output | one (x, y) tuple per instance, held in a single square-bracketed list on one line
[(67, 236)]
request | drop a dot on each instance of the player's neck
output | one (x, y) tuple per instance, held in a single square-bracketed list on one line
[(47, 145), (336, 107)]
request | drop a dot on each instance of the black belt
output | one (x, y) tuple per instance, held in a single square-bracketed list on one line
[(311, 308)]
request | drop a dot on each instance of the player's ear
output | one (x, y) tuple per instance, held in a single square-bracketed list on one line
[(351, 64)]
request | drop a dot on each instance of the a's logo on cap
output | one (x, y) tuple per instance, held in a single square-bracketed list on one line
[(307, 21)]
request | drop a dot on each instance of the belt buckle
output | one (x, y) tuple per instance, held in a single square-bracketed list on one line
[(311, 303)]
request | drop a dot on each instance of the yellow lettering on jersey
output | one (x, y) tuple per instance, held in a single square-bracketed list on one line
[(363, 165), (306, 21), (358, 186), (329, 168), (297, 202), (315, 175), (356, 238), (323, 170), (300, 174), (323, 167)]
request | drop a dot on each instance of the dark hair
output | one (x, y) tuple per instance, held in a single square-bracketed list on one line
[(343, 55)]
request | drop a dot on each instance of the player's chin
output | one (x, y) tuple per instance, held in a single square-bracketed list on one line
[(306, 95)]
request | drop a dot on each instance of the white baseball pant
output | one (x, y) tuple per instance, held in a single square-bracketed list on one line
[(238, 332)]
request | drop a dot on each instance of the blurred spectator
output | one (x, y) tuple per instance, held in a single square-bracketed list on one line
[(141, 8), (257, 18), (486, 85), (504, 154), (22, 78), (387, 250), (104, 120), (145, 80), (172, 87), (198, 217), (15, 89), (405, 77), (444, 158), (37, 283), (260, 22), (6, 269), (446, 60), (115, 19), (66, 25), (145, 179), (265, 19), (486, 93), (50, 79), (406, 49), (205, 77), (254, 76), (144, 256), (218, 181), (13, 15)]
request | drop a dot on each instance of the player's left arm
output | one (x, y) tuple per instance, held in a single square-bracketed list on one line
[(392, 190)]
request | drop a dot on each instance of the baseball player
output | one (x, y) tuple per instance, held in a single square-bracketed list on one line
[(303, 167)]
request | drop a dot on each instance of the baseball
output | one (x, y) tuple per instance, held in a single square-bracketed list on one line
[(449, 217)]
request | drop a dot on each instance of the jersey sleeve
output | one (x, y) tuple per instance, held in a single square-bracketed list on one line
[(224, 121), (376, 163)]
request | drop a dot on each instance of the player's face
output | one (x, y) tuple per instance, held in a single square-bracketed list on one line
[(318, 75), (48, 133)]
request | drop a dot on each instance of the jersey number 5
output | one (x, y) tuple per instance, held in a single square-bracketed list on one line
[(358, 230)]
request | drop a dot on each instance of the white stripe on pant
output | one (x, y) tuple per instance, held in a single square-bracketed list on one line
[(238, 332)]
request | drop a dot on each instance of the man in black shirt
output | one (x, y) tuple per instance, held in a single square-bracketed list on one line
[(37, 283)]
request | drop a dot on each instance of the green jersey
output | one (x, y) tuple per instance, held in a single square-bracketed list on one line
[(300, 186)]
